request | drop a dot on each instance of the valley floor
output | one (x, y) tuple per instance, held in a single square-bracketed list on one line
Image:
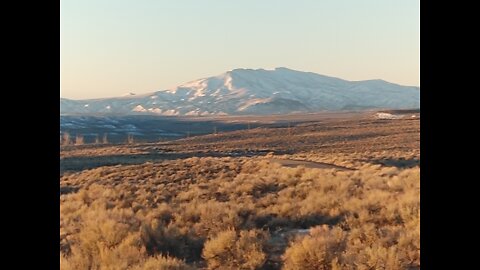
[(338, 193)]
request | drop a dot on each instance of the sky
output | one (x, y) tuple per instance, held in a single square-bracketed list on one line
[(112, 47)]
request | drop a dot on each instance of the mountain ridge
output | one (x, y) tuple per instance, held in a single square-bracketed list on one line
[(258, 92)]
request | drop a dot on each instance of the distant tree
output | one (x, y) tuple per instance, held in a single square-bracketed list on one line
[(79, 139), (66, 138), (130, 139), (105, 138)]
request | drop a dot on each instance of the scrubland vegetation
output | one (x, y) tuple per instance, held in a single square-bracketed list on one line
[(225, 211), (247, 212)]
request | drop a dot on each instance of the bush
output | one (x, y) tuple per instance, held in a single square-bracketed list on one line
[(122, 256), (159, 238), (162, 263), (318, 251), (236, 250)]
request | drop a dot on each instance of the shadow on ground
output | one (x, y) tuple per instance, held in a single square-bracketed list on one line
[(79, 163), (401, 163)]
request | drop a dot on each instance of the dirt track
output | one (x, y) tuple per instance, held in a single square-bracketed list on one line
[(308, 164)]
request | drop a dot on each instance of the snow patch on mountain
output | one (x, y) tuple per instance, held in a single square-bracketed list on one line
[(155, 110), (388, 116), (139, 108)]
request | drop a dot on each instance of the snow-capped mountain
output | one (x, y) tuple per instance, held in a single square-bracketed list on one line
[(259, 91)]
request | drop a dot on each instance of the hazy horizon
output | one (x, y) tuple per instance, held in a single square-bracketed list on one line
[(109, 48)]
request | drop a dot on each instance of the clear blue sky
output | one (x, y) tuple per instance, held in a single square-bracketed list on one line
[(111, 47)]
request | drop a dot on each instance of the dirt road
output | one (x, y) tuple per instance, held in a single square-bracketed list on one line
[(308, 164)]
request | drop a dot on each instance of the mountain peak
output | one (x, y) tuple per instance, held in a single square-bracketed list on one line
[(262, 69), (246, 70), (284, 69)]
